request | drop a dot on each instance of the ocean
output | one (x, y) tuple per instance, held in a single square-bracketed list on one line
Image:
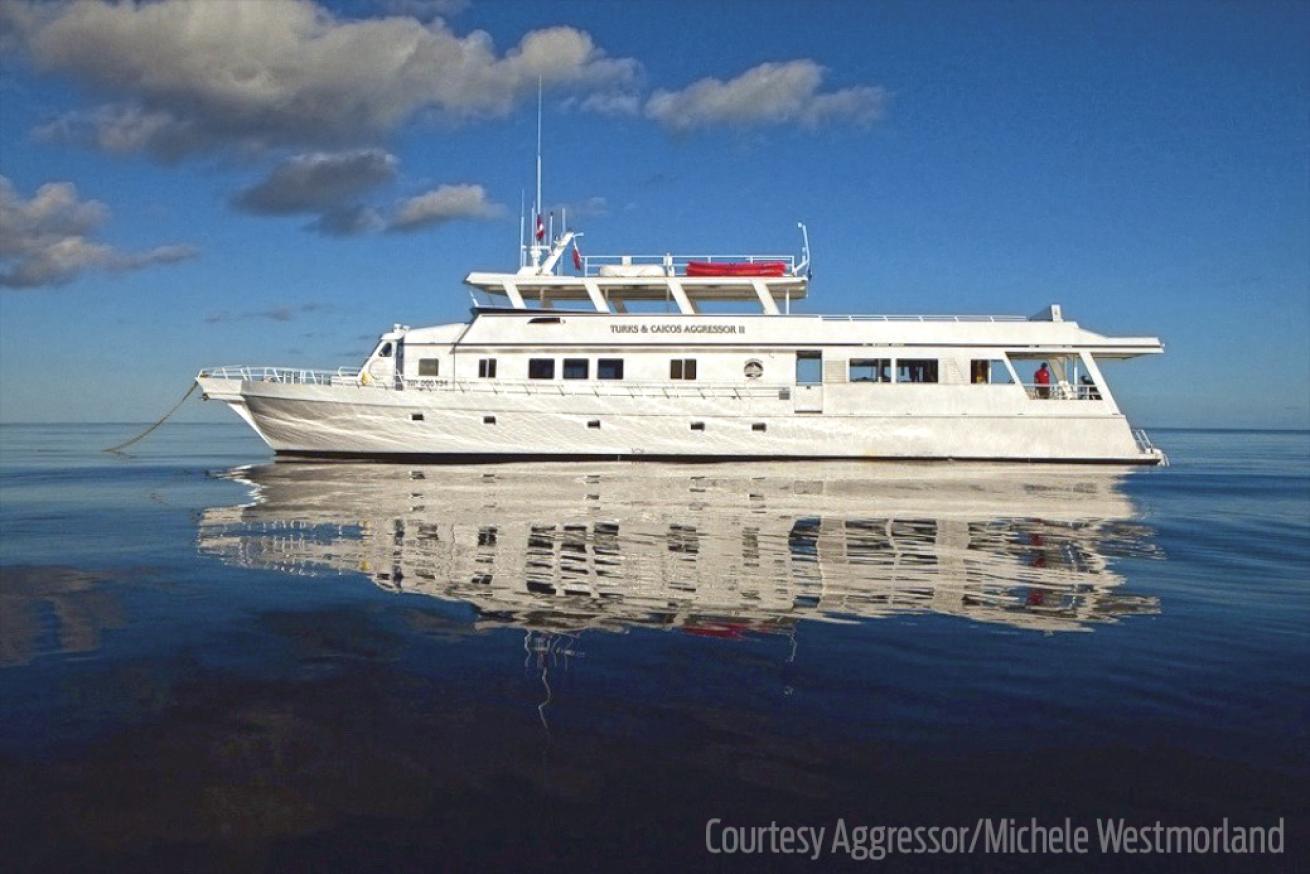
[(209, 661)]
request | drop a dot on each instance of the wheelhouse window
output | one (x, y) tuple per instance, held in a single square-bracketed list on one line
[(576, 368), (541, 368), (385, 351), (486, 368), (916, 370), (609, 368), (870, 370), (429, 366), (682, 368)]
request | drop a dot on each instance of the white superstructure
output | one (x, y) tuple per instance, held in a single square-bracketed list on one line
[(635, 357)]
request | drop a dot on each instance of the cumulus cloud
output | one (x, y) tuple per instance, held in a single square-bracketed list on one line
[(188, 77), (771, 93), (328, 184), (443, 204), (45, 241)]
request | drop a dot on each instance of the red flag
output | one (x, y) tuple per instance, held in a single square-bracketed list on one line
[(577, 258), (541, 229)]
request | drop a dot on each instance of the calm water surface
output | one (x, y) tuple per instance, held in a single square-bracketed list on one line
[(208, 661)]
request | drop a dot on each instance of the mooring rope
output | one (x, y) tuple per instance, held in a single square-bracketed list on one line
[(144, 433)]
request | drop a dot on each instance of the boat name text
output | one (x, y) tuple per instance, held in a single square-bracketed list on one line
[(660, 328)]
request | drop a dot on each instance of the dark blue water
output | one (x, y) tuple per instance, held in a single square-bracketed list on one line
[(211, 662)]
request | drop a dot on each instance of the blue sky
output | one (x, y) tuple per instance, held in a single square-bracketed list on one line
[(1145, 165)]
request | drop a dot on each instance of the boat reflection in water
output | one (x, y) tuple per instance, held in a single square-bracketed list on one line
[(722, 550)]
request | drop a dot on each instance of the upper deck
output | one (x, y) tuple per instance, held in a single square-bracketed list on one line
[(609, 282)]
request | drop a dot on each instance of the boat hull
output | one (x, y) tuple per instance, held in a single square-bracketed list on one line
[(352, 423)]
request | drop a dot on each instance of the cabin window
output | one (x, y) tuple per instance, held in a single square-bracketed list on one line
[(385, 351), (488, 420), (429, 366), (576, 368), (985, 371), (544, 320), (594, 423), (682, 368), (754, 369), (609, 368), (416, 417), (809, 368), (698, 426), (916, 370), (759, 426), (486, 368), (541, 368), (870, 370)]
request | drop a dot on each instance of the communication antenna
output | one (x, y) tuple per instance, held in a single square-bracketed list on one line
[(540, 202), (537, 206)]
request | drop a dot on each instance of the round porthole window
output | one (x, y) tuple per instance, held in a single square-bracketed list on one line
[(754, 369)]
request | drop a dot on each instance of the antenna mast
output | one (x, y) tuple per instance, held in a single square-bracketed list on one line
[(536, 242), (540, 205)]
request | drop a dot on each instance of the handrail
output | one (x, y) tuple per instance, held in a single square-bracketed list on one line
[(289, 375), (1062, 392), (893, 317), (676, 265)]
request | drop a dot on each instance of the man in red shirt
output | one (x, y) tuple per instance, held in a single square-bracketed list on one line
[(1043, 379)]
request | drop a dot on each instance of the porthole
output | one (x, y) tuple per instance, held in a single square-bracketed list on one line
[(754, 369)]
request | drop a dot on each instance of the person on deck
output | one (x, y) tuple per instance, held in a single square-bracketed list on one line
[(1043, 380)]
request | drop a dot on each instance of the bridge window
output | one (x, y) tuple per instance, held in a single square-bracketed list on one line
[(429, 366), (916, 370), (682, 368), (871, 370), (541, 368), (609, 368), (486, 368), (576, 368), (385, 351)]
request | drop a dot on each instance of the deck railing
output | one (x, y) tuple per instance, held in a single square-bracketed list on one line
[(676, 265), (290, 375), (1059, 392), (921, 318)]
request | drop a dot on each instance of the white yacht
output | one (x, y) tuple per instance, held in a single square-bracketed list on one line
[(652, 357)]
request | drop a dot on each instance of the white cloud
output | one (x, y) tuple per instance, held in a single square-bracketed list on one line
[(44, 240), (771, 93), (443, 204), (192, 76)]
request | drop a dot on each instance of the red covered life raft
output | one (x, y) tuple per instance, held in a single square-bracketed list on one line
[(736, 268)]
